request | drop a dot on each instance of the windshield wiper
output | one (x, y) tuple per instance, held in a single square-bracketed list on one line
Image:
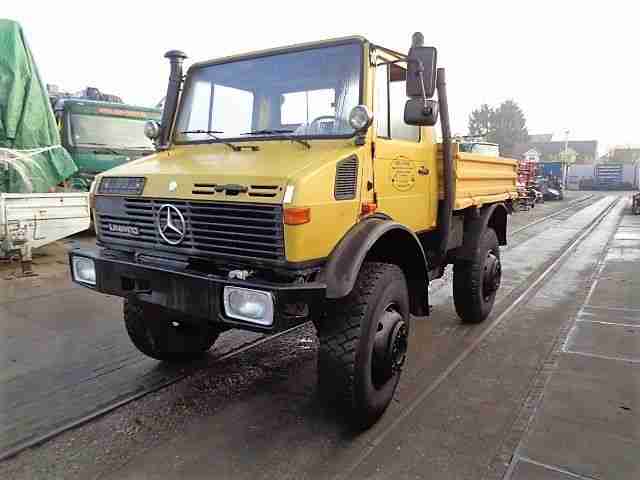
[(211, 133), (276, 131), (266, 131), (301, 141), (104, 147)]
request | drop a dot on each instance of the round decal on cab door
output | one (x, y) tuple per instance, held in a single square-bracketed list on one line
[(403, 174)]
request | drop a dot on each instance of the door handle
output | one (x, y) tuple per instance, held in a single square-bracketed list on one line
[(423, 171)]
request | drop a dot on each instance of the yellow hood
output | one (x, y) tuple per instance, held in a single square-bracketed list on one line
[(201, 171)]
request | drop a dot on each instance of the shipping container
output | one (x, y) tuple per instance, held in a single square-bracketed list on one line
[(616, 176), (551, 169)]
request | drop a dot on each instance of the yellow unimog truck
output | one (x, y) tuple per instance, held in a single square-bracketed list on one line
[(295, 184)]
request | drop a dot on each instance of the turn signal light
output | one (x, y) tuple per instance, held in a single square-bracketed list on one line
[(297, 216), (368, 208)]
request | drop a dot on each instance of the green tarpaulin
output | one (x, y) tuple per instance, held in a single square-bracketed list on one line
[(31, 158)]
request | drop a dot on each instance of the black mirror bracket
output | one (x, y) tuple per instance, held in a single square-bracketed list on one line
[(420, 74)]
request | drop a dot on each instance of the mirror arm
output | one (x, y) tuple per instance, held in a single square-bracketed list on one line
[(420, 72), (425, 106), (392, 62)]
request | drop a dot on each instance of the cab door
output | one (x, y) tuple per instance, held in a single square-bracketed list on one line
[(403, 169)]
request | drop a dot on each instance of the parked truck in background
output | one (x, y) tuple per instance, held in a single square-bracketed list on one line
[(479, 147), (295, 184), (101, 135)]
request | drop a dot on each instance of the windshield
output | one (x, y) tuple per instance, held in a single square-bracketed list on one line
[(306, 93), (113, 132)]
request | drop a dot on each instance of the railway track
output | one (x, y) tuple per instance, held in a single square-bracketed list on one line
[(522, 294), (517, 299), (571, 206)]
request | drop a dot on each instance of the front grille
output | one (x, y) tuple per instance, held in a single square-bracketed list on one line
[(213, 229)]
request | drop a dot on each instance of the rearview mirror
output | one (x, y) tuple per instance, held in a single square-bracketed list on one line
[(421, 71), (419, 112)]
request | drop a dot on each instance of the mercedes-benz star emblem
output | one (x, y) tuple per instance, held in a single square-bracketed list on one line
[(171, 224)]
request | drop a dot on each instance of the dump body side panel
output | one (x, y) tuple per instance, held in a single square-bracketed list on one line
[(481, 179)]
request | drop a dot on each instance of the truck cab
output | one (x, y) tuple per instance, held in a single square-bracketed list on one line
[(301, 184), (101, 135)]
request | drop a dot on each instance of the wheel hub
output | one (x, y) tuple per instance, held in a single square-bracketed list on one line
[(390, 346), (492, 275), (398, 346)]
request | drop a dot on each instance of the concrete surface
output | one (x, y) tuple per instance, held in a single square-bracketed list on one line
[(85, 361), (588, 423), (256, 415), (64, 352)]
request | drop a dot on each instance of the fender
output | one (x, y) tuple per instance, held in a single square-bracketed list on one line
[(493, 216), (381, 239)]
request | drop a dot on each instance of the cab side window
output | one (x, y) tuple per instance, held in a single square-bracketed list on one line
[(390, 100), (381, 113), (397, 99)]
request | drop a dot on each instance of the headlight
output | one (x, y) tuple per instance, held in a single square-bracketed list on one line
[(249, 305), (360, 118), (84, 270), (152, 129)]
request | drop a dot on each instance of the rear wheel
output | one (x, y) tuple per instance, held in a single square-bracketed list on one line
[(165, 336), (363, 344), (476, 281)]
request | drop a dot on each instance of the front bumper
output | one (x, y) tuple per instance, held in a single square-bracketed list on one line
[(196, 294)]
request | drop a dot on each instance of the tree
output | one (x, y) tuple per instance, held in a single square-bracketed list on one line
[(480, 121), (509, 127), (569, 156), (505, 125)]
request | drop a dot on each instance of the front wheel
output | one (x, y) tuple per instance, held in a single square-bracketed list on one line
[(363, 344), (476, 281), (164, 336)]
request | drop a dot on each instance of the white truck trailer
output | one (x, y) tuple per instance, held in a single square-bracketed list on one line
[(32, 161), (32, 220)]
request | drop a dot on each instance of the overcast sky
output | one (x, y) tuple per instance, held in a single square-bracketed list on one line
[(571, 65)]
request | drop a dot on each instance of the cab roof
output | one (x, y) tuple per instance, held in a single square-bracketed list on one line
[(84, 102), (277, 50)]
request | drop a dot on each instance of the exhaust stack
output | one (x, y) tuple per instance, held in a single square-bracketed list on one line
[(176, 58)]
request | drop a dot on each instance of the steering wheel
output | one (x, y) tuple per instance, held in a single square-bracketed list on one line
[(322, 117)]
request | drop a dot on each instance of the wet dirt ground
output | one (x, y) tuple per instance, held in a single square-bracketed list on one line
[(460, 412)]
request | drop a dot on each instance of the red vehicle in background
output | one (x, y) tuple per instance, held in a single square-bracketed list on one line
[(527, 191)]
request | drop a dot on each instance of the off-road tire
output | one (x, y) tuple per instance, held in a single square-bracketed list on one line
[(151, 331), (472, 305), (347, 333)]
